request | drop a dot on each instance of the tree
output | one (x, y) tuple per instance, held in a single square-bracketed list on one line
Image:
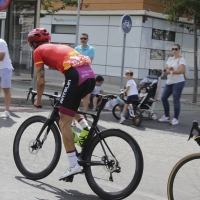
[(53, 6), (174, 9)]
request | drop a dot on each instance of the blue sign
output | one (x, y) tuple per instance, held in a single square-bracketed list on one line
[(4, 4), (126, 24)]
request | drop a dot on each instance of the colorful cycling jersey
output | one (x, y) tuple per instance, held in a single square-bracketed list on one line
[(59, 57)]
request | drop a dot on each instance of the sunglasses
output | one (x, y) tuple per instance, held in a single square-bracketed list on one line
[(174, 49), (83, 38)]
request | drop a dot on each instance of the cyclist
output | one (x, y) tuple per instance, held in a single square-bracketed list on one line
[(79, 81)]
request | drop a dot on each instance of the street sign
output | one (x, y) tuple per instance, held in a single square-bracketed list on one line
[(126, 24), (2, 15), (4, 4)]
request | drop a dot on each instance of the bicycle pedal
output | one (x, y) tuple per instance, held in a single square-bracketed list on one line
[(197, 139), (69, 178)]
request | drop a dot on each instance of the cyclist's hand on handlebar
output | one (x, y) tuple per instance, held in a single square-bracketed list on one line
[(37, 104)]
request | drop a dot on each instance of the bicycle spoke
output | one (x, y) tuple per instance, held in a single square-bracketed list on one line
[(101, 175), (39, 159)]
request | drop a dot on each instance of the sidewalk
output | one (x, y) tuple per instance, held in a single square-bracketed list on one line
[(21, 84)]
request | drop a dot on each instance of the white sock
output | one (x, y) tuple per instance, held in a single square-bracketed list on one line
[(73, 122), (72, 158), (83, 123)]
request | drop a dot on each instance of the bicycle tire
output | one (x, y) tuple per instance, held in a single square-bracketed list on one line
[(114, 112), (175, 170), (21, 139), (108, 136), (138, 116)]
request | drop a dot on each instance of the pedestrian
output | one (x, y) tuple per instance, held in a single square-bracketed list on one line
[(79, 81), (97, 90), (132, 93), (175, 69), (86, 50), (5, 76)]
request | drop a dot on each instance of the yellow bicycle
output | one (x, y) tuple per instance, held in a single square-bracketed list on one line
[(184, 179)]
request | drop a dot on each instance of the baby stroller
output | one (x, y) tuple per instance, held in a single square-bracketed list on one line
[(147, 104), (143, 108)]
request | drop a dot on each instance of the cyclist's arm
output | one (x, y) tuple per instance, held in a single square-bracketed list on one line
[(126, 90), (40, 84)]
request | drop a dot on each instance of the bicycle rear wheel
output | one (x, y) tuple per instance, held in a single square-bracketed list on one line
[(116, 111), (34, 159), (183, 182), (122, 174)]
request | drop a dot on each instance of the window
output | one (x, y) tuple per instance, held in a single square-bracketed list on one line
[(64, 29), (158, 34), (157, 54)]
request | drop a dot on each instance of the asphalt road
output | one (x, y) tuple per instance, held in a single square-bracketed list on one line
[(162, 146)]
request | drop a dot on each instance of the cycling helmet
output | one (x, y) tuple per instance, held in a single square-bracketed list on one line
[(38, 35)]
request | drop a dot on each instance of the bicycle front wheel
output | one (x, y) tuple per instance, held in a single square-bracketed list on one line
[(124, 166), (183, 182), (36, 159)]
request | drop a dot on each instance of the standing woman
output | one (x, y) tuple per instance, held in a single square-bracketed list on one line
[(175, 69)]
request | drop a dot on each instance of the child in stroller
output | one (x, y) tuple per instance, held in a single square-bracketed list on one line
[(147, 103)]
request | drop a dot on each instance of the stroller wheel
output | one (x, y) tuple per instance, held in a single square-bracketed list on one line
[(153, 116), (138, 117)]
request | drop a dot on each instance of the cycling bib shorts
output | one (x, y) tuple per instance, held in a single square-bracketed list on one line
[(78, 83)]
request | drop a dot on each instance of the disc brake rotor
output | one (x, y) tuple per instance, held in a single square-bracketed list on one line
[(33, 146), (111, 165)]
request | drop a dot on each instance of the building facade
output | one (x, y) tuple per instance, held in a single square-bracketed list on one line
[(148, 44), (20, 19)]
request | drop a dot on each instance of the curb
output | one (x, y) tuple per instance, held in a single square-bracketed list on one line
[(21, 101)]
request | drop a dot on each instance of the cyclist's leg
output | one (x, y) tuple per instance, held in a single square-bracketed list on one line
[(81, 120), (85, 88), (86, 101), (128, 101), (69, 104), (95, 100), (74, 90)]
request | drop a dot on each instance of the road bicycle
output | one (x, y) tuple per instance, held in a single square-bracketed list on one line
[(184, 179), (111, 159), (134, 112)]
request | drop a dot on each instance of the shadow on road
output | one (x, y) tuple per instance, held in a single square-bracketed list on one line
[(59, 194), (7, 122)]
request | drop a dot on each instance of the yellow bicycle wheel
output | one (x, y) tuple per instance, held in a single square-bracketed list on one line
[(184, 179)]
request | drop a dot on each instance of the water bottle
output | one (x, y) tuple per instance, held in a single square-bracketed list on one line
[(75, 135)]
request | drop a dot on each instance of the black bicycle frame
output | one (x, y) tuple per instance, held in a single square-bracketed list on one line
[(54, 116)]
